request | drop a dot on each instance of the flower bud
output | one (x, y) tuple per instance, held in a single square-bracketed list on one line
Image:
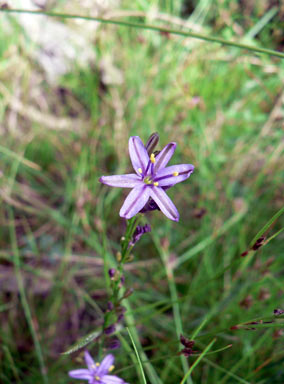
[(118, 256), (111, 272), (114, 344), (109, 330), (152, 143)]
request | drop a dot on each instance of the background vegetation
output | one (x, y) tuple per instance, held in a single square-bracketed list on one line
[(60, 227)]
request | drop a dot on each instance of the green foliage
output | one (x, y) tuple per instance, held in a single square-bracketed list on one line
[(60, 228)]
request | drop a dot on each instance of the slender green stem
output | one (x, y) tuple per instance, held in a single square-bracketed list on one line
[(116, 285), (174, 300), (153, 28), (138, 357)]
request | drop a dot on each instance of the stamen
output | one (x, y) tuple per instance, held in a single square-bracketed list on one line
[(175, 174), (152, 158), (147, 180), (140, 170), (111, 368), (156, 183), (97, 378), (98, 364)]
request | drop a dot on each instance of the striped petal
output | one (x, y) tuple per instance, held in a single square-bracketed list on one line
[(138, 154), (164, 203), (82, 374), (135, 201), (164, 156), (89, 362), (105, 365), (123, 181), (166, 177)]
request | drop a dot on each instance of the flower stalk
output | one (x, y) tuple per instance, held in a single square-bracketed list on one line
[(114, 313)]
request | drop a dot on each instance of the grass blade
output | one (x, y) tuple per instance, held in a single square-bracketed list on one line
[(23, 298), (198, 360), (267, 225), (153, 28), (138, 357)]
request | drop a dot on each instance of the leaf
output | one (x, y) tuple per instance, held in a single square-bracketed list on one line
[(83, 342), (267, 226)]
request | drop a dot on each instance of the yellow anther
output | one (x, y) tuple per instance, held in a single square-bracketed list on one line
[(140, 170), (97, 364), (97, 378), (156, 183), (152, 158), (175, 174), (111, 368)]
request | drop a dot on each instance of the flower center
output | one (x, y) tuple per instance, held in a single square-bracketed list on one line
[(147, 180)]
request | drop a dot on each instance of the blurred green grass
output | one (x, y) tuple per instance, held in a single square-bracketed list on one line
[(223, 108)]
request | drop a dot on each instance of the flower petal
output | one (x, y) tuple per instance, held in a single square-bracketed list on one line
[(123, 181), (90, 362), (82, 374), (135, 201), (107, 379), (105, 365), (165, 177), (164, 203), (138, 154), (164, 156)]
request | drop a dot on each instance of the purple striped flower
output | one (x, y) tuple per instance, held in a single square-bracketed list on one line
[(97, 373), (151, 179)]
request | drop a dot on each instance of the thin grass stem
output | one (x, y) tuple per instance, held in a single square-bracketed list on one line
[(194, 35)]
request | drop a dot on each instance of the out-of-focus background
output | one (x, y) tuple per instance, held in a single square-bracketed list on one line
[(71, 93)]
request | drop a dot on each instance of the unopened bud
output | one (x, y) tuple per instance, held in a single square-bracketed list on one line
[(109, 330), (118, 256), (152, 143), (111, 272), (114, 344)]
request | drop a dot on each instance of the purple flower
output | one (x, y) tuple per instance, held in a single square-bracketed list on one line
[(97, 373), (151, 179), (139, 231)]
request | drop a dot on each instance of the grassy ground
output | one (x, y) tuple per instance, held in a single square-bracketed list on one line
[(60, 227)]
